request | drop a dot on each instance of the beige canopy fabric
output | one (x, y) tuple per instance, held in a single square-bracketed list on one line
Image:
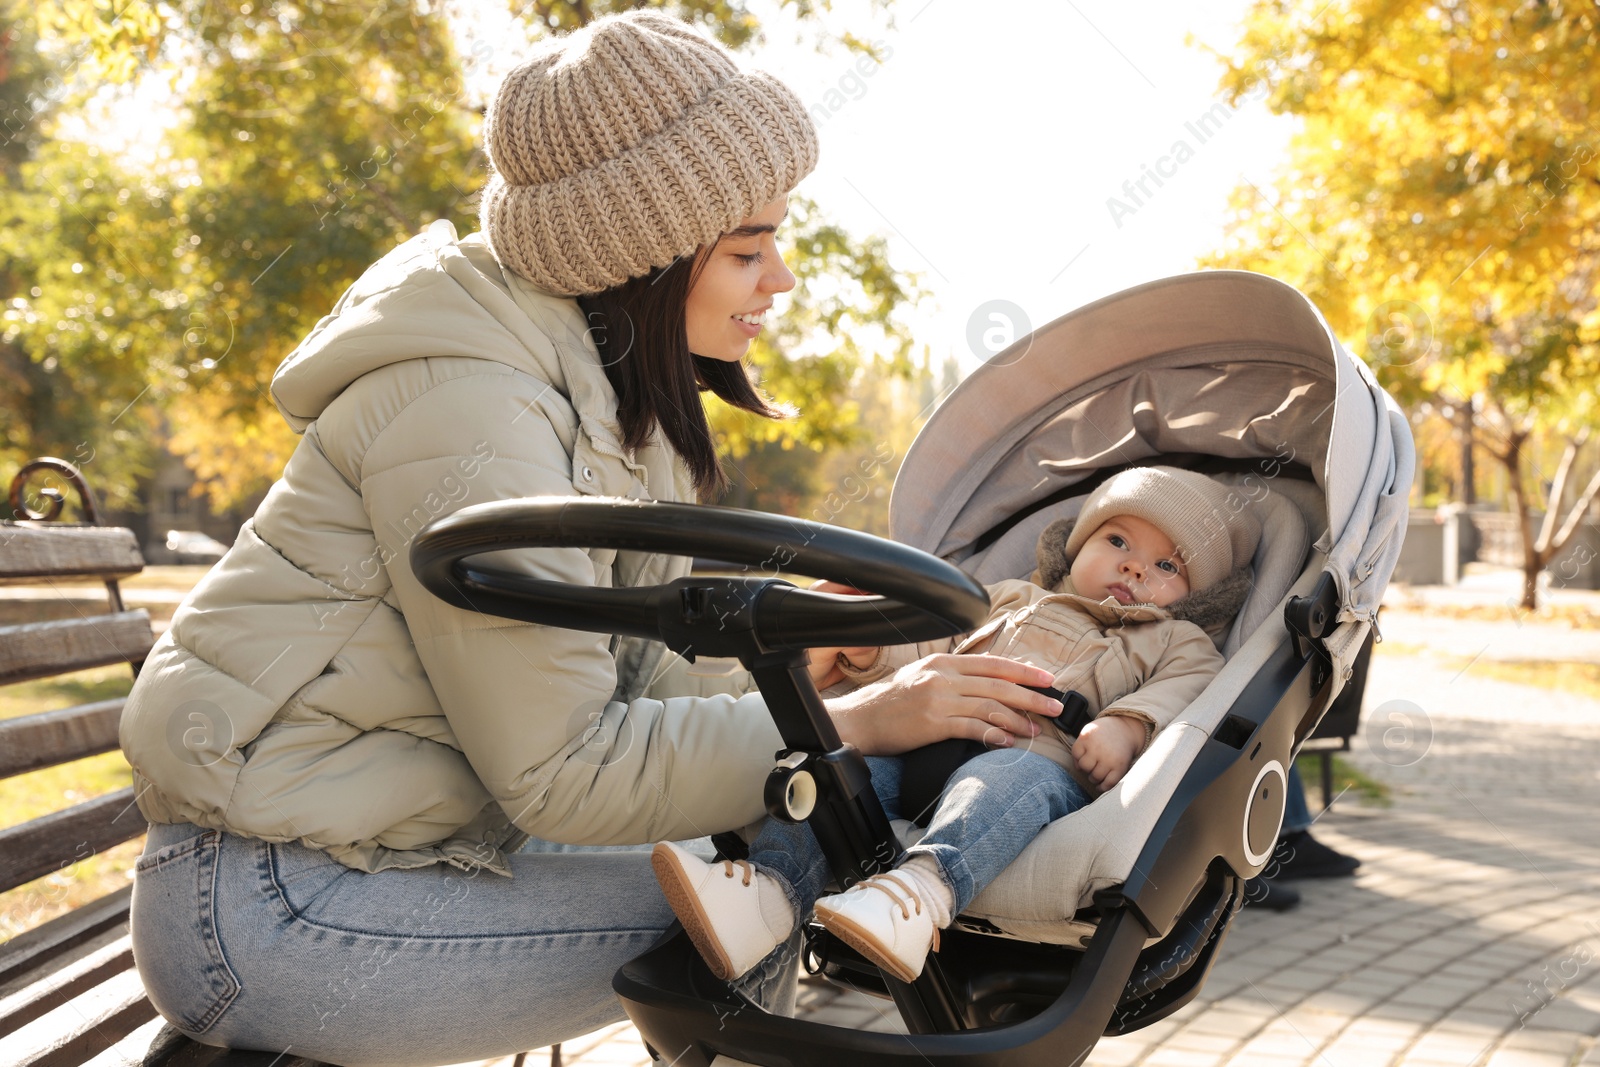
[(1224, 364)]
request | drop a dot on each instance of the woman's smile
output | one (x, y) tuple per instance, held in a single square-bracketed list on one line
[(734, 286), (752, 321)]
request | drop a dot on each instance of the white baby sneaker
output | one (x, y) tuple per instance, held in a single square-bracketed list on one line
[(883, 919), (734, 914)]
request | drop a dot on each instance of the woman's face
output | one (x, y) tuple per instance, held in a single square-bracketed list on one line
[(734, 291), (1132, 560)]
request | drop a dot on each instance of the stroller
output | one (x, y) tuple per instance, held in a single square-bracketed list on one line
[(1112, 917)]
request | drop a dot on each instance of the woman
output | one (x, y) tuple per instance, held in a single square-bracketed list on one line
[(338, 767)]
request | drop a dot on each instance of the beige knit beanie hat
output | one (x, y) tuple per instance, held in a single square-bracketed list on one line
[(1213, 535), (627, 144)]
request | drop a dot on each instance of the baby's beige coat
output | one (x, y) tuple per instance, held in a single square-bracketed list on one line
[(1134, 660)]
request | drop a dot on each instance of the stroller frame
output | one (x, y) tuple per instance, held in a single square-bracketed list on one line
[(984, 1001), (1054, 1009), (965, 1009)]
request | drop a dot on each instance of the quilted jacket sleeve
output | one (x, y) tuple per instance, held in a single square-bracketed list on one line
[(531, 706)]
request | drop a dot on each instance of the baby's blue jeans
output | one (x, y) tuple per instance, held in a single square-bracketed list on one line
[(1296, 814), (991, 808)]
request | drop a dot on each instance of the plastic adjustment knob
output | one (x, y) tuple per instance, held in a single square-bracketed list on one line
[(791, 791), (1263, 814)]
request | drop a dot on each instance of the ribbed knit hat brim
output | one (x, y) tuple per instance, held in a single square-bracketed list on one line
[(628, 145), (1213, 536)]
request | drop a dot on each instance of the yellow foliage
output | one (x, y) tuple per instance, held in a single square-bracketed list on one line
[(1441, 199), (1441, 204), (119, 34), (233, 451)]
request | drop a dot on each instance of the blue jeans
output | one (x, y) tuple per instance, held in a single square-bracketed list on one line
[(248, 944), (1296, 814), (991, 808)]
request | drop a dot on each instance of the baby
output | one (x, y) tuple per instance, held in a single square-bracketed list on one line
[(1118, 611)]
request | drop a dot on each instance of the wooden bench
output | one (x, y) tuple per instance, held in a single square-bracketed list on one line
[(1341, 721), (69, 993)]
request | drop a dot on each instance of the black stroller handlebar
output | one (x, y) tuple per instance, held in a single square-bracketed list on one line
[(919, 597), (763, 620)]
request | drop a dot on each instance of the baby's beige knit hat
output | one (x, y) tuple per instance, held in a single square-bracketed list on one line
[(627, 144), (1213, 533)]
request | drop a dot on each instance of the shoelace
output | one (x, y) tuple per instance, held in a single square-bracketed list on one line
[(888, 876), (727, 869)]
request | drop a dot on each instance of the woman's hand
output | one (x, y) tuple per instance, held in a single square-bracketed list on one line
[(944, 696)]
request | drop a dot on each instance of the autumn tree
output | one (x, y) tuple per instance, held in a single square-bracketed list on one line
[(310, 141), (65, 380), (1440, 204), (312, 138), (841, 339)]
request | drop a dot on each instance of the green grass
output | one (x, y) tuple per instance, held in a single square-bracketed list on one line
[(1397, 648), (1347, 780), (183, 578), (168, 576), (1563, 675), (1577, 616), (48, 694)]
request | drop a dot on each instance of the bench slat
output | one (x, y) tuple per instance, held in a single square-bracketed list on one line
[(167, 1047), (69, 992), (83, 1027), (63, 960), (44, 740), (45, 649), (31, 551), (134, 1050), (51, 842), (32, 950), (60, 986)]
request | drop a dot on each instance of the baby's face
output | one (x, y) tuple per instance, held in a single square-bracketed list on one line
[(1132, 560)]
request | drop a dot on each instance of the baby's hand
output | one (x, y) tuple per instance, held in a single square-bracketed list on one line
[(1106, 748), (823, 665)]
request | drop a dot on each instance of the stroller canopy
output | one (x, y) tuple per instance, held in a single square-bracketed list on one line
[(1225, 364)]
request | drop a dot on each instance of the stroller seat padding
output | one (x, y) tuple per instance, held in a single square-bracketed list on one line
[(1096, 847)]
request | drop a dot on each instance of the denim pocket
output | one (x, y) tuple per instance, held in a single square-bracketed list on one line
[(174, 926)]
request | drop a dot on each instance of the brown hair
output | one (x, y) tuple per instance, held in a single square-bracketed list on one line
[(640, 328)]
